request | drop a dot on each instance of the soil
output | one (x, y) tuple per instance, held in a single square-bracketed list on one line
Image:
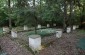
[(66, 45)]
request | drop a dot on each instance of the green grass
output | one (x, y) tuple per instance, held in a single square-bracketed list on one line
[(81, 31), (42, 32), (1, 30), (81, 44)]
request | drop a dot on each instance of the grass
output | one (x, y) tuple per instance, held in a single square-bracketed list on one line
[(1, 30), (81, 43), (43, 32), (81, 31)]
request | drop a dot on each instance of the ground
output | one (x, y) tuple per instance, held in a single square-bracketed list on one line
[(66, 45)]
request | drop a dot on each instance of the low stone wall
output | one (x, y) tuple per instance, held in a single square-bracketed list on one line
[(11, 48)]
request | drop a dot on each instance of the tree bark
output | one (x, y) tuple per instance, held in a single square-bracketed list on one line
[(65, 16), (82, 18), (9, 6), (35, 17), (71, 15)]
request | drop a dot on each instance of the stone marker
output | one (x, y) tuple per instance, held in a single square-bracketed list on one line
[(35, 42), (48, 25), (58, 33), (25, 27), (39, 26), (68, 29), (74, 27), (6, 30), (14, 34)]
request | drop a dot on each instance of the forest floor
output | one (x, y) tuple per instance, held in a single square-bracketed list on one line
[(66, 45)]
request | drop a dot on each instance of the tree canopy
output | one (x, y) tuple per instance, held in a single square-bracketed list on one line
[(27, 12)]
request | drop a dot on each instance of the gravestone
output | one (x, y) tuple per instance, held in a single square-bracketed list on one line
[(48, 25), (74, 27), (35, 42), (14, 33), (39, 26), (68, 29), (6, 29), (58, 33), (25, 27)]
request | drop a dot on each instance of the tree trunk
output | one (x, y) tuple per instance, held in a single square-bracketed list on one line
[(40, 11), (65, 16), (71, 15), (35, 17), (82, 18), (34, 3), (9, 6)]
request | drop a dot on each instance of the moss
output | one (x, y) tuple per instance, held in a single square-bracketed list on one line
[(81, 43), (43, 32), (81, 31), (1, 34), (1, 30)]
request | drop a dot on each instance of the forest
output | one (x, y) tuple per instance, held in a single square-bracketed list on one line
[(42, 27)]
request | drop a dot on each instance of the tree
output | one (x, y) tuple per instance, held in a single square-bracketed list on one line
[(9, 7), (24, 12), (65, 16)]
